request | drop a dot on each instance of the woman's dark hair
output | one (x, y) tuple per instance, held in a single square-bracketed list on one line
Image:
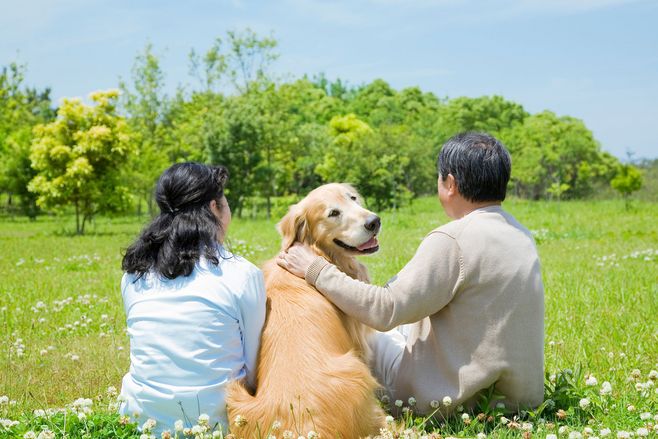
[(480, 164), (186, 228)]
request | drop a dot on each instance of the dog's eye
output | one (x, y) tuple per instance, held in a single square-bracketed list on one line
[(334, 212), (353, 197)]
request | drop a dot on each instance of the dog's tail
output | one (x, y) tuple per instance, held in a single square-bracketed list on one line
[(247, 417)]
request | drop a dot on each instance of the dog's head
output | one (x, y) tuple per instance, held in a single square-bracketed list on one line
[(332, 219)]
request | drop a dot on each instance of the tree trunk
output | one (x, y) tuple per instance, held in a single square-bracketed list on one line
[(77, 218)]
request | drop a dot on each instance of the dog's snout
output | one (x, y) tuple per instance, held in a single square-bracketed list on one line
[(373, 223)]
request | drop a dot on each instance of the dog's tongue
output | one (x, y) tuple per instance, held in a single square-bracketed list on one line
[(369, 244)]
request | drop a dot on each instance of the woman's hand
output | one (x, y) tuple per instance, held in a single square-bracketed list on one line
[(297, 259)]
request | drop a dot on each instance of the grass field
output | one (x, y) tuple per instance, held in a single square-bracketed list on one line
[(63, 335)]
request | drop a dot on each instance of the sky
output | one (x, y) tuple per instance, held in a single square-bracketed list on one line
[(596, 60)]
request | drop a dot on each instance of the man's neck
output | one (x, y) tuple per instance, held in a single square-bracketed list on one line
[(465, 207)]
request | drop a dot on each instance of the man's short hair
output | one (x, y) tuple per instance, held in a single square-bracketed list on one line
[(480, 164)]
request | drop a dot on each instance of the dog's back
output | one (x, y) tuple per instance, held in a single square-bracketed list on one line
[(309, 375)]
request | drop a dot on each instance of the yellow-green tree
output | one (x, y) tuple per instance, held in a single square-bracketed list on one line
[(79, 158), (627, 180)]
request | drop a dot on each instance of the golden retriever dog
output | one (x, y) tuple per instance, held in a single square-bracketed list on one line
[(312, 367)]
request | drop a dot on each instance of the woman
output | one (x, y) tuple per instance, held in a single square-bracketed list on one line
[(194, 310)]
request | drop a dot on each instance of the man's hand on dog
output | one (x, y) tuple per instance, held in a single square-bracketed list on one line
[(297, 259)]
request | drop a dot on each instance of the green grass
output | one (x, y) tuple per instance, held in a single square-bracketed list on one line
[(59, 295)]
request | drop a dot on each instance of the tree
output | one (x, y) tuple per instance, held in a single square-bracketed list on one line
[(21, 109), (80, 158), (147, 107), (627, 181), (557, 153), (489, 114), (376, 167)]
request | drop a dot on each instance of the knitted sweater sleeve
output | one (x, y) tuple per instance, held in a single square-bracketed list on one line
[(426, 284)]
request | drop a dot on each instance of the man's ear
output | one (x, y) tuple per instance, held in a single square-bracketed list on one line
[(451, 184), (293, 227)]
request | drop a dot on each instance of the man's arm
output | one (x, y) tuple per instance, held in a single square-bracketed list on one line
[(424, 286)]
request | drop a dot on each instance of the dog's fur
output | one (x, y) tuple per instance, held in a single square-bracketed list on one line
[(312, 367)]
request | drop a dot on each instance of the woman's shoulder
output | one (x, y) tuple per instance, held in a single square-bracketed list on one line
[(230, 266)]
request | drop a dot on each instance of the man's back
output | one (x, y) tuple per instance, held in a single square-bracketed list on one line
[(492, 330)]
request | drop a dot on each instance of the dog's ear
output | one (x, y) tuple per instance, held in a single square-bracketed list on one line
[(293, 227)]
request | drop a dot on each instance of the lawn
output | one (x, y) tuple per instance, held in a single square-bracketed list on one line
[(63, 335)]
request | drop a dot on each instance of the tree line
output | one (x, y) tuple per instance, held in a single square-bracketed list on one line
[(279, 138)]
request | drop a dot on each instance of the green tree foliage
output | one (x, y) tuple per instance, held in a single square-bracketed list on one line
[(357, 154), (21, 109), (283, 138), (147, 110), (552, 154), (79, 156), (490, 114), (627, 180)]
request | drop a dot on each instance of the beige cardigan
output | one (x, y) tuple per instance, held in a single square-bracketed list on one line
[(474, 294)]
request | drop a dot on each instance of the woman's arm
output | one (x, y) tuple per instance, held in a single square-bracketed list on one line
[(424, 286), (252, 315)]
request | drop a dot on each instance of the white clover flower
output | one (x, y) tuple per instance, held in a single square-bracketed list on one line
[(39, 413), (187, 431), (4, 399), (563, 429), (198, 429), (240, 421), (645, 416), (203, 419), (630, 408), (605, 432), (447, 401), (398, 403), (591, 381), (434, 404), (389, 419), (8, 423), (642, 432), (575, 435), (655, 418), (30, 435), (405, 410), (165, 434), (584, 403), (412, 401), (635, 373), (653, 375), (82, 416), (276, 425), (385, 399), (606, 388), (288, 434), (112, 391), (504, 420), (527, 426), (465, 417), (551, 436), (481, 436), (143, 436), (312, 435), (218, 434), (148, 425), (46, 434), (623, 435)]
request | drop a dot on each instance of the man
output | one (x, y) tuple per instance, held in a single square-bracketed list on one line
[(472, 293)]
